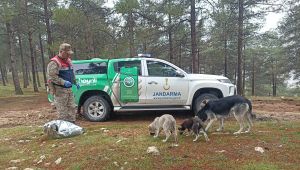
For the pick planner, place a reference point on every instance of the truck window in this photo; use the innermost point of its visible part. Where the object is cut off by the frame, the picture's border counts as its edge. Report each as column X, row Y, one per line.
column 90, row 68
column 136, row 63
column 159, row 69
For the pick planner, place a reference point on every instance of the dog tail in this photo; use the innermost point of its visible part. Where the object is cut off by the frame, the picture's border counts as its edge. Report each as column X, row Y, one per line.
column 253, row 115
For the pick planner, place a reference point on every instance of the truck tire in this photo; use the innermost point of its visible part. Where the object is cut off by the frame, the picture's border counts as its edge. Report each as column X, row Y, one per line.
column 96, row 109
column 200, row 99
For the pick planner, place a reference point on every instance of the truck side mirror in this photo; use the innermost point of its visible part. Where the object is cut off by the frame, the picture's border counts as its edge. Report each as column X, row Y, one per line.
column 179, row 74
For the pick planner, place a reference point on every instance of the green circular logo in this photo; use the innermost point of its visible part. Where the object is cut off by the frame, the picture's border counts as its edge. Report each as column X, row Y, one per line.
column 128, row 82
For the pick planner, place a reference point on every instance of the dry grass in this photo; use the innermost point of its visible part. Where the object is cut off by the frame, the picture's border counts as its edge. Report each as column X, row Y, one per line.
column 9, row 89
column 99, row 150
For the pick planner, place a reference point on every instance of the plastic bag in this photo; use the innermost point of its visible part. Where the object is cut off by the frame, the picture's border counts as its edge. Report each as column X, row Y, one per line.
column 62, row 129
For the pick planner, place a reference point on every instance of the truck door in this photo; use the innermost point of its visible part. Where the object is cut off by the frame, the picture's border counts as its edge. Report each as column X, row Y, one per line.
column 90, row 75
column 129, row 84
column 131, row 89
column 164, row 85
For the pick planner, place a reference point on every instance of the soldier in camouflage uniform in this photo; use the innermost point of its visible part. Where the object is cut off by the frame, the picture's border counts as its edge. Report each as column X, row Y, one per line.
column 60, row 80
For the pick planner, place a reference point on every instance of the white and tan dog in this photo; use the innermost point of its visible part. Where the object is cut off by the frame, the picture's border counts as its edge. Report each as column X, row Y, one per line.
column 165, row 122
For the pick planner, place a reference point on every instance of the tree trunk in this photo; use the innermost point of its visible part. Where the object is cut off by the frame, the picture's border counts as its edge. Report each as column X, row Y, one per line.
column 225, row 57
column 13, row 62
column 48, row 28
column 170, row 39
column 225, row 43
column 94, row 47
column 145, row 46
column 244, row 77
column 253, row 78
column 240, row 48
column 43, row 59
column 275, row 80
column 5, row 74
column 273, row 83
column 89, row 39
column 2, row 75
column 275, row 89
column 35, row 88
column 235, row 75
column 244, row 70
column 36, row 68
column 198, row 59
column 25, row 79
column 131, row 34
column 193, row 38
column 180, row 58
column 28, row 72
column 144, row 43
column 274, row 74
column 203, row 63
column 75, row 54
column 24, row 57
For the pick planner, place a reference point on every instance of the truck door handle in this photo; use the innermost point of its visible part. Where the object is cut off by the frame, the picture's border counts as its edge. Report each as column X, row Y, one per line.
column 152, row 82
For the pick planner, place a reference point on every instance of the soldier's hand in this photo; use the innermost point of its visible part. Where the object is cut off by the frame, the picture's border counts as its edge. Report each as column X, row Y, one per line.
column 67, row 84
column 77, row 86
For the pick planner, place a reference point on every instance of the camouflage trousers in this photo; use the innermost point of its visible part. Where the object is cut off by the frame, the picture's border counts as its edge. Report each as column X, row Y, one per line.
column 64, row 103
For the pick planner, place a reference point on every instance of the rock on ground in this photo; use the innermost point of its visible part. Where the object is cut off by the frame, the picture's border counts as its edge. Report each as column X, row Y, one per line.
column 152, row 150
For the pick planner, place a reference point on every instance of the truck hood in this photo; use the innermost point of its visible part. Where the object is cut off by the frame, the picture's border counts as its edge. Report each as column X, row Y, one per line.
column 205, row 77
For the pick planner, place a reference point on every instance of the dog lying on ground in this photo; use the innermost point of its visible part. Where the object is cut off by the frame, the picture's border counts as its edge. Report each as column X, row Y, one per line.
column 194, row 125
column 165, row 122
column 239, row 106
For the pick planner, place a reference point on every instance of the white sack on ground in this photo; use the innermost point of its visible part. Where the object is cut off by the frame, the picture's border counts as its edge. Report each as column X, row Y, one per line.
column 62, row 129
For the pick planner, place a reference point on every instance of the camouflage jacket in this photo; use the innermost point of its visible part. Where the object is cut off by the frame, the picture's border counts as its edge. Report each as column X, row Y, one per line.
column 53, row 74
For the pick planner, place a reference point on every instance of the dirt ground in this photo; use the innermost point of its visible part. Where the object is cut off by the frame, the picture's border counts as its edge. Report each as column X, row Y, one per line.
column 36, row 110
column 279, row 139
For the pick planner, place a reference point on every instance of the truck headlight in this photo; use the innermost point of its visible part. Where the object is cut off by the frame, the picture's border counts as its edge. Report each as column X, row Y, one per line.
column 231, row 89
column 224, row 80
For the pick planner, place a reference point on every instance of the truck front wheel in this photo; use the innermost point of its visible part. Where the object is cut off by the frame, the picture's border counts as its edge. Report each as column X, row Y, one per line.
column 200, row 100
column 96, row 109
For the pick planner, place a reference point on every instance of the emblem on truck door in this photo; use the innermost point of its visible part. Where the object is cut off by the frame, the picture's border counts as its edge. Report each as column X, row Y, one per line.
column 128, row 82
column 166, row 85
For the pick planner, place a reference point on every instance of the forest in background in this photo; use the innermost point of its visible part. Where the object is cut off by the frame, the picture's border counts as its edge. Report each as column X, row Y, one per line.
column 220, row 37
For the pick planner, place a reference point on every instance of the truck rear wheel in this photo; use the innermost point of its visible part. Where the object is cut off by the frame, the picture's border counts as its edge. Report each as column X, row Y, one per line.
column 200, row 99
column 96, row 109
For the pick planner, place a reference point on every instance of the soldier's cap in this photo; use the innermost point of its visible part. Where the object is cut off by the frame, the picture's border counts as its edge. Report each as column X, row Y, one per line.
column 66, row 47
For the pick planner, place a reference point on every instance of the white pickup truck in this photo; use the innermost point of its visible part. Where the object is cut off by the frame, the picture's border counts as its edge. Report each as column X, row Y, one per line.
column 137, row 84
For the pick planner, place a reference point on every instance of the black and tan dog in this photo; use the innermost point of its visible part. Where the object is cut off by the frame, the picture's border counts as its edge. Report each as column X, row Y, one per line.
column 239, row 106
column 193, row 125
